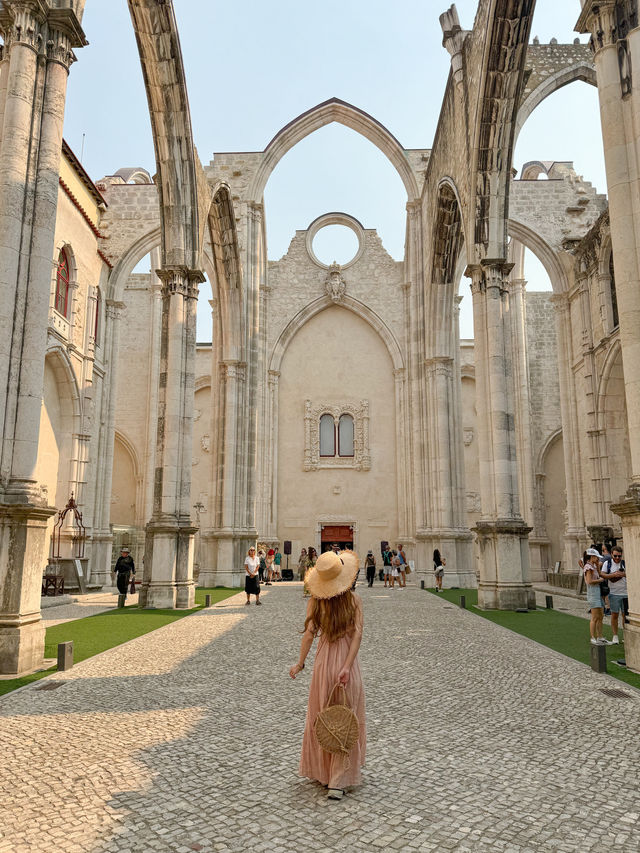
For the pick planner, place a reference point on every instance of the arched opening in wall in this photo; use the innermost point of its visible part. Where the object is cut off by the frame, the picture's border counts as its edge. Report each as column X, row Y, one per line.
column 127, row 527
column 335, row 244
column 465, row 314
column 55, row 442
column 204, row 322
column 554, row 500
column 617, row 460
column 549, row 134
column 349, row 174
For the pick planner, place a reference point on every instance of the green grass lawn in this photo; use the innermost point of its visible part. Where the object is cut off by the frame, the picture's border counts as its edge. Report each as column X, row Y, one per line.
column 95, row 634
column 561, row 632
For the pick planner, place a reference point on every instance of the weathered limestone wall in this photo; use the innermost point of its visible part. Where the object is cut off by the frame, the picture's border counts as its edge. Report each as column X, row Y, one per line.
column 337, row 358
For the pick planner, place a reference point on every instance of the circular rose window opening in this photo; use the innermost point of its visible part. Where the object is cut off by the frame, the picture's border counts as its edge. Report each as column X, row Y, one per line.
column 337, row 243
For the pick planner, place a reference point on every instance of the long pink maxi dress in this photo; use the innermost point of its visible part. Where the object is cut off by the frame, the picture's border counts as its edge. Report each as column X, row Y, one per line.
column 315, row 763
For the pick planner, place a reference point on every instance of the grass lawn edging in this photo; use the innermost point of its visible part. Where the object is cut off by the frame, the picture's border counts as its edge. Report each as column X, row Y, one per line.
column 561, row 632
column 95, row 634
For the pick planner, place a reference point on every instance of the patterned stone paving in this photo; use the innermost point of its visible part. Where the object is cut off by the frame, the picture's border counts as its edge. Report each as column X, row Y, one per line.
column 188, row 738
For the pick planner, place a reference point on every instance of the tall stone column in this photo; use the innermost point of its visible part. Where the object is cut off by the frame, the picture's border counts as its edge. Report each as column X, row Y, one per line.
column 616, row 44
column 449, row 532
column 575, row 534
column 102, row 536
column 38, row 50
column 168, row 560
column 502, row 534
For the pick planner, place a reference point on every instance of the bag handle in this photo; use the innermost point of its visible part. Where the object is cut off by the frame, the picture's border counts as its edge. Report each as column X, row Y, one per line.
column 333, row 690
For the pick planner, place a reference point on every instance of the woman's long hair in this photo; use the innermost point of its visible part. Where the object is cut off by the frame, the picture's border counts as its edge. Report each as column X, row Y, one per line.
column 332, row 617
column 437, row 559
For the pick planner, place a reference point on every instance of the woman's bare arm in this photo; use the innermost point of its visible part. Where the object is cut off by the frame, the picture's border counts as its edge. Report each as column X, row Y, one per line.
column 305, row 647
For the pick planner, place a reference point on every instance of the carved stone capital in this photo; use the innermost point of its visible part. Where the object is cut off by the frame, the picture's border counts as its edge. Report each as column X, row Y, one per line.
column 180, row 280
column 453, row 40
column 236, row 370
column 50, row 32
column 114, row 309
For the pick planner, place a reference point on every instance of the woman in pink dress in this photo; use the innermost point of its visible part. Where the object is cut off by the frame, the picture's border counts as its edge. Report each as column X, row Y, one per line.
column 334, row 614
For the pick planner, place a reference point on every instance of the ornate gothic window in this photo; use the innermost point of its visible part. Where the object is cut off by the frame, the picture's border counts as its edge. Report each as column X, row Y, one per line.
column 61, row 303
column 327, row 436
column 337, row 436
column 345, row 436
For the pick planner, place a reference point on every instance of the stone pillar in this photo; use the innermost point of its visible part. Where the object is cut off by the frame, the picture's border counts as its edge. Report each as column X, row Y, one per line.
column 168, row 561
column 154, row 369
column 502, row 534
column 102, row 536
column 416, row 388
column 38, row 50
column 575, row 533
column 617, row 59
column 448, row 529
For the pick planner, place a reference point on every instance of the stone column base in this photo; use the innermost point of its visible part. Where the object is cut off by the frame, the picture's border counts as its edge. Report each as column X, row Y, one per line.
column 167, row 582
column 23, row 531
column 628, row 508
column 504, row 565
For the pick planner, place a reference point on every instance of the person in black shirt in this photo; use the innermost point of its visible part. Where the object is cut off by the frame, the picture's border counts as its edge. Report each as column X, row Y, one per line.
column 125, row 567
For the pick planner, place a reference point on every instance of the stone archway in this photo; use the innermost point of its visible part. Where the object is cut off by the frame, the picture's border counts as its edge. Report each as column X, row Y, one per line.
column 333, row 110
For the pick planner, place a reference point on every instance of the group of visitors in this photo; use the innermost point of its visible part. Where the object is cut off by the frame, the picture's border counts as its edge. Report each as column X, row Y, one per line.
column 307, row 560
column 395, row 567
column 269, row 566
column 605, row 576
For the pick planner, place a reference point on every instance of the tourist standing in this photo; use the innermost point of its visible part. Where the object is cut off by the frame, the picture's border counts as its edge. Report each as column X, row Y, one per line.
column 251, row 570
column 395, row 570
column 269, row 566
column 402, row 568
column 262, row 565
column 438, row 569
column 593, row 580
column 302, row 564
column 370, row 566
column 387, row 556
column 124, row 569
column 614, row 570
column 334, row 614
column 277, row 560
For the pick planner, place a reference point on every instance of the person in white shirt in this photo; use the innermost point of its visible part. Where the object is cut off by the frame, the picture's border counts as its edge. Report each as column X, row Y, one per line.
column 613, row 569
column 251, row 582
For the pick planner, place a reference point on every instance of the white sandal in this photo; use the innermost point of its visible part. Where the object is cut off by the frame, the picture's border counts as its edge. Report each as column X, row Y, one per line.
column 335, row 794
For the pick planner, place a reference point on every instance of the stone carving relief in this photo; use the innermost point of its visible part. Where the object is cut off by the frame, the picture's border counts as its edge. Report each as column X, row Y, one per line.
column 361, row 459
column 468, row 436
column 473, row 502
column 335, row 285
column 205, row 443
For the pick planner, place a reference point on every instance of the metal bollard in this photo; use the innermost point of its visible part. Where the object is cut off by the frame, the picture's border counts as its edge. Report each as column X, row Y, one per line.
column 463, row 602
column 121, row 600
column 65, row 655
column 207, row 600
column 599, row 658
column 421, row 584
column 549, row 601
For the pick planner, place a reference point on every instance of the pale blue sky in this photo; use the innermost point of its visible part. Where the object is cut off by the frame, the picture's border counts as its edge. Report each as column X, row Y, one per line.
column 253, row 66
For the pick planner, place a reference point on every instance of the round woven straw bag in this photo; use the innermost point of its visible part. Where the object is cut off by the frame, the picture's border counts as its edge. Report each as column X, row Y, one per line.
column 336, row 726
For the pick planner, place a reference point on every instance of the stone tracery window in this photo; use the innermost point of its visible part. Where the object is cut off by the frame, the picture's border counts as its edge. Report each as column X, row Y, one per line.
column 337, row 436
column 61, row 302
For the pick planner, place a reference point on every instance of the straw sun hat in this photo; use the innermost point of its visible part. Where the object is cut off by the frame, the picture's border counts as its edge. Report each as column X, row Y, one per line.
column 332, row 574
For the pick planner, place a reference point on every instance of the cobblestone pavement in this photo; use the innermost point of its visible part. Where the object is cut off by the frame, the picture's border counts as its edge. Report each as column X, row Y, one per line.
column 188, row 739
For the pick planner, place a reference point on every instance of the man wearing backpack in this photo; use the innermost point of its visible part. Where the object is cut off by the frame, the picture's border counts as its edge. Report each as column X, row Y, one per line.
column 614, row 570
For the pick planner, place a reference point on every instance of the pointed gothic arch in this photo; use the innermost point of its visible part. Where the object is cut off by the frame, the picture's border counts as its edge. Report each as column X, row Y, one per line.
column 333, row 110
column 319, row 305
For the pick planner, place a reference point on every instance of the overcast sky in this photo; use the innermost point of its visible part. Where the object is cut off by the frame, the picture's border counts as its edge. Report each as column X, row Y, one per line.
column 252, row 67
